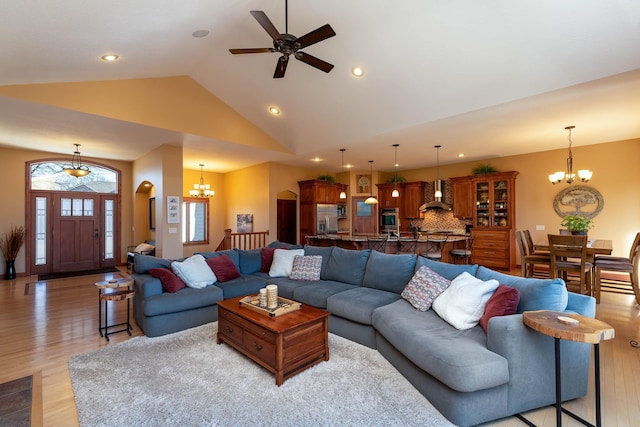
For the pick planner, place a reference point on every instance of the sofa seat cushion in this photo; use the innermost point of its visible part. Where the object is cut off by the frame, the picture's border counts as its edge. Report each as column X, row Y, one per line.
column 358, row 304
column 246, row 284
column 535, row 294
column 389, row 272
column 287, row 286
column 459, row 359
column 183, row 300
column 317, row 293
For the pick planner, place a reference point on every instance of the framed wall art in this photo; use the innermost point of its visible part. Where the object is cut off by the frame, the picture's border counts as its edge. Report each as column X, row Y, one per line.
column 173, row 209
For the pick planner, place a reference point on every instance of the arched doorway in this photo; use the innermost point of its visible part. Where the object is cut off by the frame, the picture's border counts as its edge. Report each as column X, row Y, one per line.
column 73, row 222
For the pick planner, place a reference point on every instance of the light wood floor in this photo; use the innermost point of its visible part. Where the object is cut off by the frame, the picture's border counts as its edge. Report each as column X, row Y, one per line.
column 42, row 324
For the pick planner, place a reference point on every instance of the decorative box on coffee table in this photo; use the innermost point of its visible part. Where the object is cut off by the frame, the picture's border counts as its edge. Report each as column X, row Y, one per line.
column 285, row 345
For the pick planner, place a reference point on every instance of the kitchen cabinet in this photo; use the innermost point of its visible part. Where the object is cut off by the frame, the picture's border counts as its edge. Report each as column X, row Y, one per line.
column 410, row 199
column 494, row 220
column 462, row 197
column 489, row 201
column 312, row 193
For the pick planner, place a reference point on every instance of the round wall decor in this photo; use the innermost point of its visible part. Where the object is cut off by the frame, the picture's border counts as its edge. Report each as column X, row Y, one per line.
column 578, row 200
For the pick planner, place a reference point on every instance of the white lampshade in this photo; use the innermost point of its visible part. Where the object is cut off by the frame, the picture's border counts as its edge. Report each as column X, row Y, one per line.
column 395, row 193
column 371, row 201
column 585, row 175
column 343, row 195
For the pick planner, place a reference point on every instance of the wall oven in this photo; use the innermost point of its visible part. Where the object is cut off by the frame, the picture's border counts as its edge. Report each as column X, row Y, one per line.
column 389, row 220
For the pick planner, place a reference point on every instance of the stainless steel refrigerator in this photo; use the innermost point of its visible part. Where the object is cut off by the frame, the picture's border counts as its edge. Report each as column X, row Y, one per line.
column 327, row 219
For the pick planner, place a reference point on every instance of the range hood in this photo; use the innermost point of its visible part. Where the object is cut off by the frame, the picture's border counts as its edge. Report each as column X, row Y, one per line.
column 436, row 203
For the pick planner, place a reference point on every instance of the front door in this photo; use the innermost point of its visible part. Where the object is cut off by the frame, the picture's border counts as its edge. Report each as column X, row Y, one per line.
column 76, row 236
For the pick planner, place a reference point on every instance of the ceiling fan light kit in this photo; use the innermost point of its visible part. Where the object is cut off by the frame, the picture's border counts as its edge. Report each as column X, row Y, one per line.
column 288, row 44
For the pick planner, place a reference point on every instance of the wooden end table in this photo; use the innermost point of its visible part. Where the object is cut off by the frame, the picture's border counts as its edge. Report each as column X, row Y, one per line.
column 572, row 327
column 284, row 345
column 114, row 290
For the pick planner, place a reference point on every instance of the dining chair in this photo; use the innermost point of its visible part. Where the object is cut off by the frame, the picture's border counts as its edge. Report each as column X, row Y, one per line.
column 531, row 247
column 569, row 255
column 612, row 264
column 407, row 245
column 377, row 243
column 528, row 260
column 462, row 255
column 435, row 245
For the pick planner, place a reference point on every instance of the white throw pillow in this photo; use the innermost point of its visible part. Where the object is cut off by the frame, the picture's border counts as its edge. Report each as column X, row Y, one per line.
column 143, row 247
column 283, row 262
column 194, row 272
column 462, row 304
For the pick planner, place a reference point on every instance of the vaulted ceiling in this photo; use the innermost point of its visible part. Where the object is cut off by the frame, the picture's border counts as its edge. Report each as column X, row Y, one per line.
column 485, row 79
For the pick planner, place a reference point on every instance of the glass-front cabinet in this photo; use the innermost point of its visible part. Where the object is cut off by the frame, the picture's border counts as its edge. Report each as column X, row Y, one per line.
column 493, row 203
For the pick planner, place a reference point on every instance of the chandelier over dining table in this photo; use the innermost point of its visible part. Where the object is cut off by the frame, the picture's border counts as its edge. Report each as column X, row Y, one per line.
column 584, row 175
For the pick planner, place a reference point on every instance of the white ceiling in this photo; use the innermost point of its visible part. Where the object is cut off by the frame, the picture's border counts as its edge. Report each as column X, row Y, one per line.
column 491, row 78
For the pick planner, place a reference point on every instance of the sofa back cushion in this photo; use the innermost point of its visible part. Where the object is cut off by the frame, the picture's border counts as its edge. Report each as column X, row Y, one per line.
column 535, row 294
column 325, row 253
column 448, row 271
column 143, row 263
column 276, row 244
column 346, row 266
column 250, row 261
column 389, row 272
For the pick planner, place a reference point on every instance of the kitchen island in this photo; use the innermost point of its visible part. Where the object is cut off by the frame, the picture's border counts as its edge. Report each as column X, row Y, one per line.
column 392, row 244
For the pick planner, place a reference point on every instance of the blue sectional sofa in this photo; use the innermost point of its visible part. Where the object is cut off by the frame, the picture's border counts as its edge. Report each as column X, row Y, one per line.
column 469, row 376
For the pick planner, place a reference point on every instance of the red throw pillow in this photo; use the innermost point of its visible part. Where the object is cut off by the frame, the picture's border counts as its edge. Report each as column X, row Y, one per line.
column 223, row 267
column 503, row 302
column 267, row 259
column 170, row 282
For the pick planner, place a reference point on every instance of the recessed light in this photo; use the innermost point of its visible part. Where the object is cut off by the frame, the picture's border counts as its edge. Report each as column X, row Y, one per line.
column 274, row 110
column 461, row 155
column 349, row 166
column 109, row 57
column 357, row 71
column 200, row 33
column 316, row 159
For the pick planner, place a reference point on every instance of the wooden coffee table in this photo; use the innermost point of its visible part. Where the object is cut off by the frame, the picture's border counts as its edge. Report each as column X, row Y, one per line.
column 284, row 345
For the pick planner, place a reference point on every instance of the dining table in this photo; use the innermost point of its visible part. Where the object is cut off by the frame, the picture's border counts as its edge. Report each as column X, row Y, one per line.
column 594, row 247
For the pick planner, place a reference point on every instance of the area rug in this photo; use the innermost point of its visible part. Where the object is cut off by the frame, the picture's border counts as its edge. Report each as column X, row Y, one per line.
column 52, row 276
column 15, row 402
column 186, row 379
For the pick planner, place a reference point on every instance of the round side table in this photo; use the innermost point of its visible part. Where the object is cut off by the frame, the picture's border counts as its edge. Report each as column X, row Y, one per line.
column 114, row 290
column 572, row 327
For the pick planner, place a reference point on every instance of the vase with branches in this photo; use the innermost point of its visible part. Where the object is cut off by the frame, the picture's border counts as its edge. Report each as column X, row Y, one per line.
column 10, row 245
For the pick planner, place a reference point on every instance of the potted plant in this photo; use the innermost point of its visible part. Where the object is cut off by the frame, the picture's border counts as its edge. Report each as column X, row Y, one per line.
column 483, row 169
column 10, row 246
column 327, row 178
column 577, row 224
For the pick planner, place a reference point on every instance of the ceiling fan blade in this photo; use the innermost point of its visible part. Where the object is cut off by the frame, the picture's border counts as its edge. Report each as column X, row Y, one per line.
column 266, row 23
column 314, row 62
column 281, row 67
column 254, row 50
column 316, row 36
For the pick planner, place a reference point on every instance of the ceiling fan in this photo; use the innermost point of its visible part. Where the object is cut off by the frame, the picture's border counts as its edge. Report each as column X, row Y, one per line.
column 287, row 44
